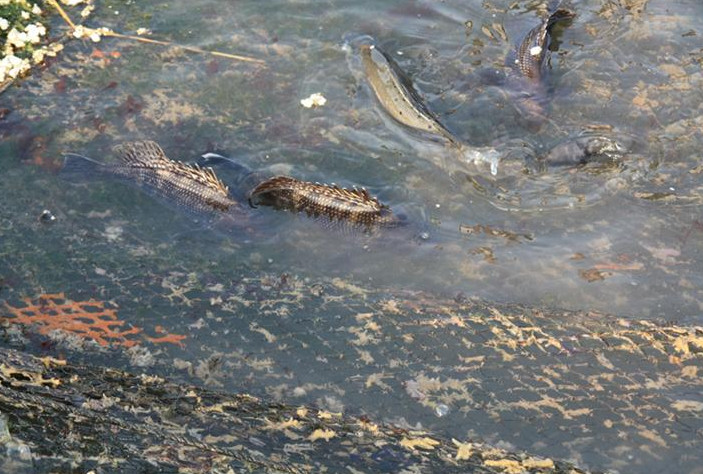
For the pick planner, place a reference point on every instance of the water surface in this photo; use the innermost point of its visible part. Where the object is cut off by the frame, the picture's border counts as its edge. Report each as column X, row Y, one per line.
column 622, row 239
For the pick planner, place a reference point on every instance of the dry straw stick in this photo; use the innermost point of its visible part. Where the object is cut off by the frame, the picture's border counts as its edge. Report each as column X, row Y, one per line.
column 192, row 49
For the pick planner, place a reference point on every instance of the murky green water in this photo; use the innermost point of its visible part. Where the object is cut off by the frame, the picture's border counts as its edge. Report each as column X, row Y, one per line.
column 622, row 239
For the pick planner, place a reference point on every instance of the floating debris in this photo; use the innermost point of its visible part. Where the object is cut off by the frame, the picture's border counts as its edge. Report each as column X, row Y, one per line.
column 23, row 34
column 315, row 100
column 493, row 232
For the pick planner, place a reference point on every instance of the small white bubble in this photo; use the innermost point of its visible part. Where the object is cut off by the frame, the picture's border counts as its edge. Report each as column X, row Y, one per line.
column 441, row 410
column 47, row 216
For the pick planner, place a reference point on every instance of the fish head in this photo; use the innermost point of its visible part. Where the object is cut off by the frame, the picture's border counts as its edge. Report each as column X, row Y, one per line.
column 604, row 146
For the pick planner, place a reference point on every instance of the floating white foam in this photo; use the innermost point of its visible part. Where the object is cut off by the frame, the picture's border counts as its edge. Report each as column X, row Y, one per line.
column 479, row 156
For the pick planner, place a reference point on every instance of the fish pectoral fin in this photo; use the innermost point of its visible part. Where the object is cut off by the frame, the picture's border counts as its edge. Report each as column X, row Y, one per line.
column 213, row 159
column 78, row 167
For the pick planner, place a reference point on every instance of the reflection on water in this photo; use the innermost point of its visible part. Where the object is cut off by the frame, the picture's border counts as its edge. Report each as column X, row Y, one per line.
column 619, row 234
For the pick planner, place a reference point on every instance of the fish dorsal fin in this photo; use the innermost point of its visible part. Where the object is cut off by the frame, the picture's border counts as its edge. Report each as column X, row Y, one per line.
column 205, row 176
column 148, row 154
column 142, row 153
column 285, row 190
column 354, row 195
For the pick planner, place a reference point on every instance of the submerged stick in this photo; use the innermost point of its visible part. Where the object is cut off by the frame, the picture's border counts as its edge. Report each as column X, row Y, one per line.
column 192, row 49
column 63, row 14
column 105, row 32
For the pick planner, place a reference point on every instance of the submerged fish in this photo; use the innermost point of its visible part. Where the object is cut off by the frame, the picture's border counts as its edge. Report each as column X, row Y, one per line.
column 397, row 95
column 355, row 207
column 584, row 150
column 144, row 164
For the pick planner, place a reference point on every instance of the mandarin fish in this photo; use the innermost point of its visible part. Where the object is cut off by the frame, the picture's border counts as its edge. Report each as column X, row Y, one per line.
column 354, row 207
column 144, row 164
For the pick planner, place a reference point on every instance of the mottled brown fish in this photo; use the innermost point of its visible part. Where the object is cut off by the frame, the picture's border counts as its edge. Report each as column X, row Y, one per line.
column 145, row 164
column 397, row 95
column 355, row 207
column 532, row 50
column 527, row 62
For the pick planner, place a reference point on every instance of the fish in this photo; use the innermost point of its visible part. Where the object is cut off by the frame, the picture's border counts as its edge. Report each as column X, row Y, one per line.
column 397, row 95
column 238, row 177
column 399, row 98
column 527, row 65
column 584, row 150
column 354, row 207
column 531, row 52
column 144, row 164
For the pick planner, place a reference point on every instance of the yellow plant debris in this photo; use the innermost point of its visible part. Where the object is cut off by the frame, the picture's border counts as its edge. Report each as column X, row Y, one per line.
column 419, row 443
column 464, row 450
column 320, row 433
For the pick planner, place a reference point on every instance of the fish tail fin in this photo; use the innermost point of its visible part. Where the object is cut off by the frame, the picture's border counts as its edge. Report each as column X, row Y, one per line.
column 559, row 14
column 78, row 167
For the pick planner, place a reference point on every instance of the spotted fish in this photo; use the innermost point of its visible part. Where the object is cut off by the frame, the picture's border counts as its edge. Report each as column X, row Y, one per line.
column 397, row 95
column 527, row 64
column 532, row 50
column 144, row 164
column 354, row 207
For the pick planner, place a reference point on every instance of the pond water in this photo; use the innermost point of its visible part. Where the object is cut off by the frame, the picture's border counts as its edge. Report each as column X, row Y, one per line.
column 622, row 239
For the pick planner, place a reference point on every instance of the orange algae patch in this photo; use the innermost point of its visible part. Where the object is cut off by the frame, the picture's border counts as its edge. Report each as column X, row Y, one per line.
column 172, row 338
column 86, row 319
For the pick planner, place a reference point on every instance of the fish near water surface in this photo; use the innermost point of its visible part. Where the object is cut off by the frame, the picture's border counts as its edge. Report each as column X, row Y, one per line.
column 144, row 164
column 596, row 149
column 397, row 95
column 349, row 207
column 527, row 63
column 532, row 50
column 399, row 99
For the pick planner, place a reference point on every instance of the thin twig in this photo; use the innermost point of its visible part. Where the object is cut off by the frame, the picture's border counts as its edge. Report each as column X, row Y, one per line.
column 141, row 39
column 63, row 14
column 193, row 49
